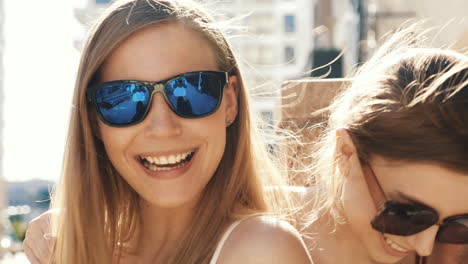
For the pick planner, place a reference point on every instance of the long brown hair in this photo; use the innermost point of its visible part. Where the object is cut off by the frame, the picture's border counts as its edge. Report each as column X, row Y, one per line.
column 408, row 103
column 99, row 210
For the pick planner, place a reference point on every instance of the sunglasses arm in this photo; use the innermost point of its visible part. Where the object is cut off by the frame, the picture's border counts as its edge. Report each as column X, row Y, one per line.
column 376, row 191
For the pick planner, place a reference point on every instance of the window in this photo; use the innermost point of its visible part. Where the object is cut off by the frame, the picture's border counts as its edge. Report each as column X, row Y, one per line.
column 263, row 23
column 103, row 1
column 266, row 55
column 260, row 54
column 289, row 55
column 289, row 23
column 267, row 117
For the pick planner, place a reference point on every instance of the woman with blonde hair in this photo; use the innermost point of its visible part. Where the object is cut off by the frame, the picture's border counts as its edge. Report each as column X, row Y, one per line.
column 162, row 164
column 391, row 168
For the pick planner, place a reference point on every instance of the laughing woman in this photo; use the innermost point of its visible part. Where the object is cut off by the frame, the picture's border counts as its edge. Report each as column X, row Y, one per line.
column 392, row 165
column 161, row 162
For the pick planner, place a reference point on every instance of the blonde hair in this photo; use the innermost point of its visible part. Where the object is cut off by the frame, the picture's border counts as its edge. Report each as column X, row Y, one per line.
column 406, row 98
column 99, row 210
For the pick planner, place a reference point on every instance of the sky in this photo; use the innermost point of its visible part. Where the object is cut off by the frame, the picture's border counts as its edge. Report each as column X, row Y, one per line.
column 40, row 64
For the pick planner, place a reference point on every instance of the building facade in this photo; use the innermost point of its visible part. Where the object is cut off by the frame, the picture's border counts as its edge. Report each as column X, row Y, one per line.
column 86, row 14
column 3, row 192
column 3, row 201
column 449, row 19
column 273, row 44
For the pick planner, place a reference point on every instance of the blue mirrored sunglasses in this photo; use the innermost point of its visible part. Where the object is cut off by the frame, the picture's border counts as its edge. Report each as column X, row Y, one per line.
column 127, row 102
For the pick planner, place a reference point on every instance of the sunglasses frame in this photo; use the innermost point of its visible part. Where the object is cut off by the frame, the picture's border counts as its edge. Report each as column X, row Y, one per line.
column 153, row 88
column 380, row 200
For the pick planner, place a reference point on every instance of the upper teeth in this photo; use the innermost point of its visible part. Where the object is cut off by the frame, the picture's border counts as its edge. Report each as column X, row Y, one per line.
column 170, row 159
column 394, row 245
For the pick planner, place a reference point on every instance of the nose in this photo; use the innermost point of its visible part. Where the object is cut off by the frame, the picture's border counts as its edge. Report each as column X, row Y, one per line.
column 423, row 242
column 161, row 121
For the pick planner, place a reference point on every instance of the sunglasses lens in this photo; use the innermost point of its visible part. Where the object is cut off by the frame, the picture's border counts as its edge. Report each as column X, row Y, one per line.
column 404, row 219
column 454, row 231
column 195, row 95
column 122, row 103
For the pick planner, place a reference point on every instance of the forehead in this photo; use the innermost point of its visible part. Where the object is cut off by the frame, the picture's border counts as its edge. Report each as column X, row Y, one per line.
column 441, row 188
column 157, row 52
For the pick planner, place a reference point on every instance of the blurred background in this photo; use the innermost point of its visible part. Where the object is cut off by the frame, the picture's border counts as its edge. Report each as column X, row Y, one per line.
column 276, row 40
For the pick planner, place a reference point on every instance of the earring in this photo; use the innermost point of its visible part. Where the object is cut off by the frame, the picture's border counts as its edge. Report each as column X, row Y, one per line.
column 228, row 122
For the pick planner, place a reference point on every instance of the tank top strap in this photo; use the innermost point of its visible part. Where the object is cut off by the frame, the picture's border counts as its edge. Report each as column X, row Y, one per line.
column 223, row 239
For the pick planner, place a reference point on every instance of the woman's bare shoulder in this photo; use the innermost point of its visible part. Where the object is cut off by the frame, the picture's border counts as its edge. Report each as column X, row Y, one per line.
column 264, row 239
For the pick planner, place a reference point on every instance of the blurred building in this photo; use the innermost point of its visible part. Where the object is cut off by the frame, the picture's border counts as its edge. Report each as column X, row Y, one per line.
column 450, row 16
column 273, row 43
column 3, row 197
column 278, row 35
column 354, row 27
column 338, row 32
column 86, row 14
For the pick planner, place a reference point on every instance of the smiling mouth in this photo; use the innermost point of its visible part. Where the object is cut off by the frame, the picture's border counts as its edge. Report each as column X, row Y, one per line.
column 168, row 162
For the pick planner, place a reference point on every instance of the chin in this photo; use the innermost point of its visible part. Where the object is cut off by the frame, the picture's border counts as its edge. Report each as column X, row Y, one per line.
column 174, row 200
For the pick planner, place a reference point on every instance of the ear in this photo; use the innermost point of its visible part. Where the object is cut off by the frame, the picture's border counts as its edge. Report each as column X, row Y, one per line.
column 345, row 154
column 230, row 96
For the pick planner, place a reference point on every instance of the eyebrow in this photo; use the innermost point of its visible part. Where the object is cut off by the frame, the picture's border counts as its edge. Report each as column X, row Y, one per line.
column 409, row 198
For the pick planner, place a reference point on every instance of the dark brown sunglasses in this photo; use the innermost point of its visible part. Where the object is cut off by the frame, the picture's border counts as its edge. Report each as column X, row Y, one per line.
column 404, row 219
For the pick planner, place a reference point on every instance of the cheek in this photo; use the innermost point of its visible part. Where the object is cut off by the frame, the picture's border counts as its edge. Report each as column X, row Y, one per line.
column 115, row 145
column 213, row 156
column 211, row 132
column 358, row 207
column 214, row 133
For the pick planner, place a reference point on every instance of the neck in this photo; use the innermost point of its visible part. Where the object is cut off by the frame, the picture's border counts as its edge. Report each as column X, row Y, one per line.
column 160, row 231
column 348, row 246
column 165, row 223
